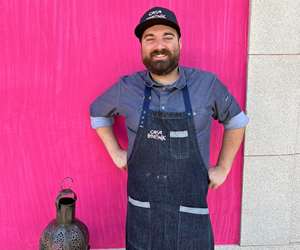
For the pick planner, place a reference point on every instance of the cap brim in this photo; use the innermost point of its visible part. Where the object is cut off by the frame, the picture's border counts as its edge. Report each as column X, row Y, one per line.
column 139, row 30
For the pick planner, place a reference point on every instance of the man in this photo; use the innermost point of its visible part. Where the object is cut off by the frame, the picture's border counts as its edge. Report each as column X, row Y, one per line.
column 168, row 110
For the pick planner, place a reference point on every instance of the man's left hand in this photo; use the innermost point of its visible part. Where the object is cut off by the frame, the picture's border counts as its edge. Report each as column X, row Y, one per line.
column 217, row 175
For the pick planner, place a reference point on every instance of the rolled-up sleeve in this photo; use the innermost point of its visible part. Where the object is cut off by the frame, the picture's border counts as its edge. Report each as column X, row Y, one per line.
column 226, row 109
column 238, row 121
column 105, row 107
column 99, row 122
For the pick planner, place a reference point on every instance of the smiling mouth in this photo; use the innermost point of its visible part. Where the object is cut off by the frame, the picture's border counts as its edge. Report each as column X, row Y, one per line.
column 159, row 56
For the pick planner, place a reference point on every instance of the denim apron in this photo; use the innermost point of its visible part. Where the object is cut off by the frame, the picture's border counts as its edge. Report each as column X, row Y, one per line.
column 167, row 183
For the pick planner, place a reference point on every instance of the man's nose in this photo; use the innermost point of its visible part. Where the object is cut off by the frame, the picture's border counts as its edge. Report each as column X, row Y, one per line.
column 160, row 44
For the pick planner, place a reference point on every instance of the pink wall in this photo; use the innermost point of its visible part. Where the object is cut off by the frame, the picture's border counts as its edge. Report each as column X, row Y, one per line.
column 56, row 57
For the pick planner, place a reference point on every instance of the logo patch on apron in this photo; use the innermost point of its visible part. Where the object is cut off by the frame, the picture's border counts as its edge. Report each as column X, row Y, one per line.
column 156, row 135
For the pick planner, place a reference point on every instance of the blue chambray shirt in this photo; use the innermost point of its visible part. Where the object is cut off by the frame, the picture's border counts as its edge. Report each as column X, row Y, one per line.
column 210, row 99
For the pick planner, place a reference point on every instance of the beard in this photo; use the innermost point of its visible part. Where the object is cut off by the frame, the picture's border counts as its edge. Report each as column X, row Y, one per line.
column 162, row 67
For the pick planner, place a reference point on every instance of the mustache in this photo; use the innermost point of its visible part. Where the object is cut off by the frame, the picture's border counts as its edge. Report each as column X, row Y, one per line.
column 160, row 52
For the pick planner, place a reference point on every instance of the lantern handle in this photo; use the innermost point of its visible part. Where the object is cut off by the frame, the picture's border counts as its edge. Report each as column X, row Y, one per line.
column 64, row 183
column 66, row 191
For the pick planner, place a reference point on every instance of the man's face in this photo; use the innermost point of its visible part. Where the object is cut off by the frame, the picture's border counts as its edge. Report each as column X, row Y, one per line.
column 160, row 49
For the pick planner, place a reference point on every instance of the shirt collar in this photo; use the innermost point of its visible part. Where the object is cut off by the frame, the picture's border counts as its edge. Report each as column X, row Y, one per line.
column 179, row 83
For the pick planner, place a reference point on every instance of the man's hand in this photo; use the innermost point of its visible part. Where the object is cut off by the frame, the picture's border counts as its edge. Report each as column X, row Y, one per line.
column 232, row 140
column 119, row 157
column 217, row 176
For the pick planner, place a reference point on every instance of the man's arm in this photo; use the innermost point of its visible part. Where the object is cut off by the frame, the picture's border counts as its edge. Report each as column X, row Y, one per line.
column 232, row 140
column 102, row 112
column 118, row 155
column 227, row 111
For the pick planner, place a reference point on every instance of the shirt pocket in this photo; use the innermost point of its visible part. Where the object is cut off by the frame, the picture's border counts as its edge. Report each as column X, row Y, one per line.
column 202, row 119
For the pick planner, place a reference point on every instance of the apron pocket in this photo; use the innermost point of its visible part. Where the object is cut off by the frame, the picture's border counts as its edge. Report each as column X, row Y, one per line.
column 179, row 144
column 194, row 229
column 138, row 224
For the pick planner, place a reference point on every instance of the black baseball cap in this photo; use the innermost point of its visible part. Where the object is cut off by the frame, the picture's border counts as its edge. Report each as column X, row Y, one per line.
column 154, row 16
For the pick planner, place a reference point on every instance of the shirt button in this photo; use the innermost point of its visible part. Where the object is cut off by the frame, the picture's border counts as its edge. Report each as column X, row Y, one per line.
column 163, row 107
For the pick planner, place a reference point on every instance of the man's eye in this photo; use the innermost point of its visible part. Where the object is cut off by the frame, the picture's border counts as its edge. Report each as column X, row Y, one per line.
column 169, row 37
column 149, row 39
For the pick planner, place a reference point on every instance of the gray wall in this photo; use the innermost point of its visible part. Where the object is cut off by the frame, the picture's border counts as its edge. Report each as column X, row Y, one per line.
column 271, row 182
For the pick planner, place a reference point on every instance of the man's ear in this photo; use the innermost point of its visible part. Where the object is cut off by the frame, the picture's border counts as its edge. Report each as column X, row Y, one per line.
column 180, row 44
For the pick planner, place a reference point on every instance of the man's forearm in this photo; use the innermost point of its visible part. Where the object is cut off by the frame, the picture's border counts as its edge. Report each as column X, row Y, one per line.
column 118, row 155
column 232, row 140
column 109, row 139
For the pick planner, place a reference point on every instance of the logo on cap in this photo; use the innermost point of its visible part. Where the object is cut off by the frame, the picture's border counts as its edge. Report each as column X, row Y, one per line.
column 156, row 14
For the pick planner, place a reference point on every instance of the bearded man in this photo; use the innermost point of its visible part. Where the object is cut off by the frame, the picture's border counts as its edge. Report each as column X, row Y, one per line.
column 168, row 110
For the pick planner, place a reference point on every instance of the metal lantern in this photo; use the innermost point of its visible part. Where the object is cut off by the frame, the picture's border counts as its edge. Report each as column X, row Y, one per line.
column 65, row 232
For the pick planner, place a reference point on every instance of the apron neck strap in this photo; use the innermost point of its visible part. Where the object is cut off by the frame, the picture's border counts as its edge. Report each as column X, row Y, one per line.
column 187, row 102
column 147, row 98
column 146, row 104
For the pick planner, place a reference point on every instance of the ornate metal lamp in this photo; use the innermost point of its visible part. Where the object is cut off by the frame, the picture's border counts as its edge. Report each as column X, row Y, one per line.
column 65, row 232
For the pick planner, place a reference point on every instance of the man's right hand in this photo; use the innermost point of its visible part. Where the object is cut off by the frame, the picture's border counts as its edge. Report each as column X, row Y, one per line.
column 119, row 157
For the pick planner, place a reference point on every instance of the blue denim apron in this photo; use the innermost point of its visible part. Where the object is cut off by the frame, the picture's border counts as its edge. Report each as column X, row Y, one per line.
column 167, row 183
